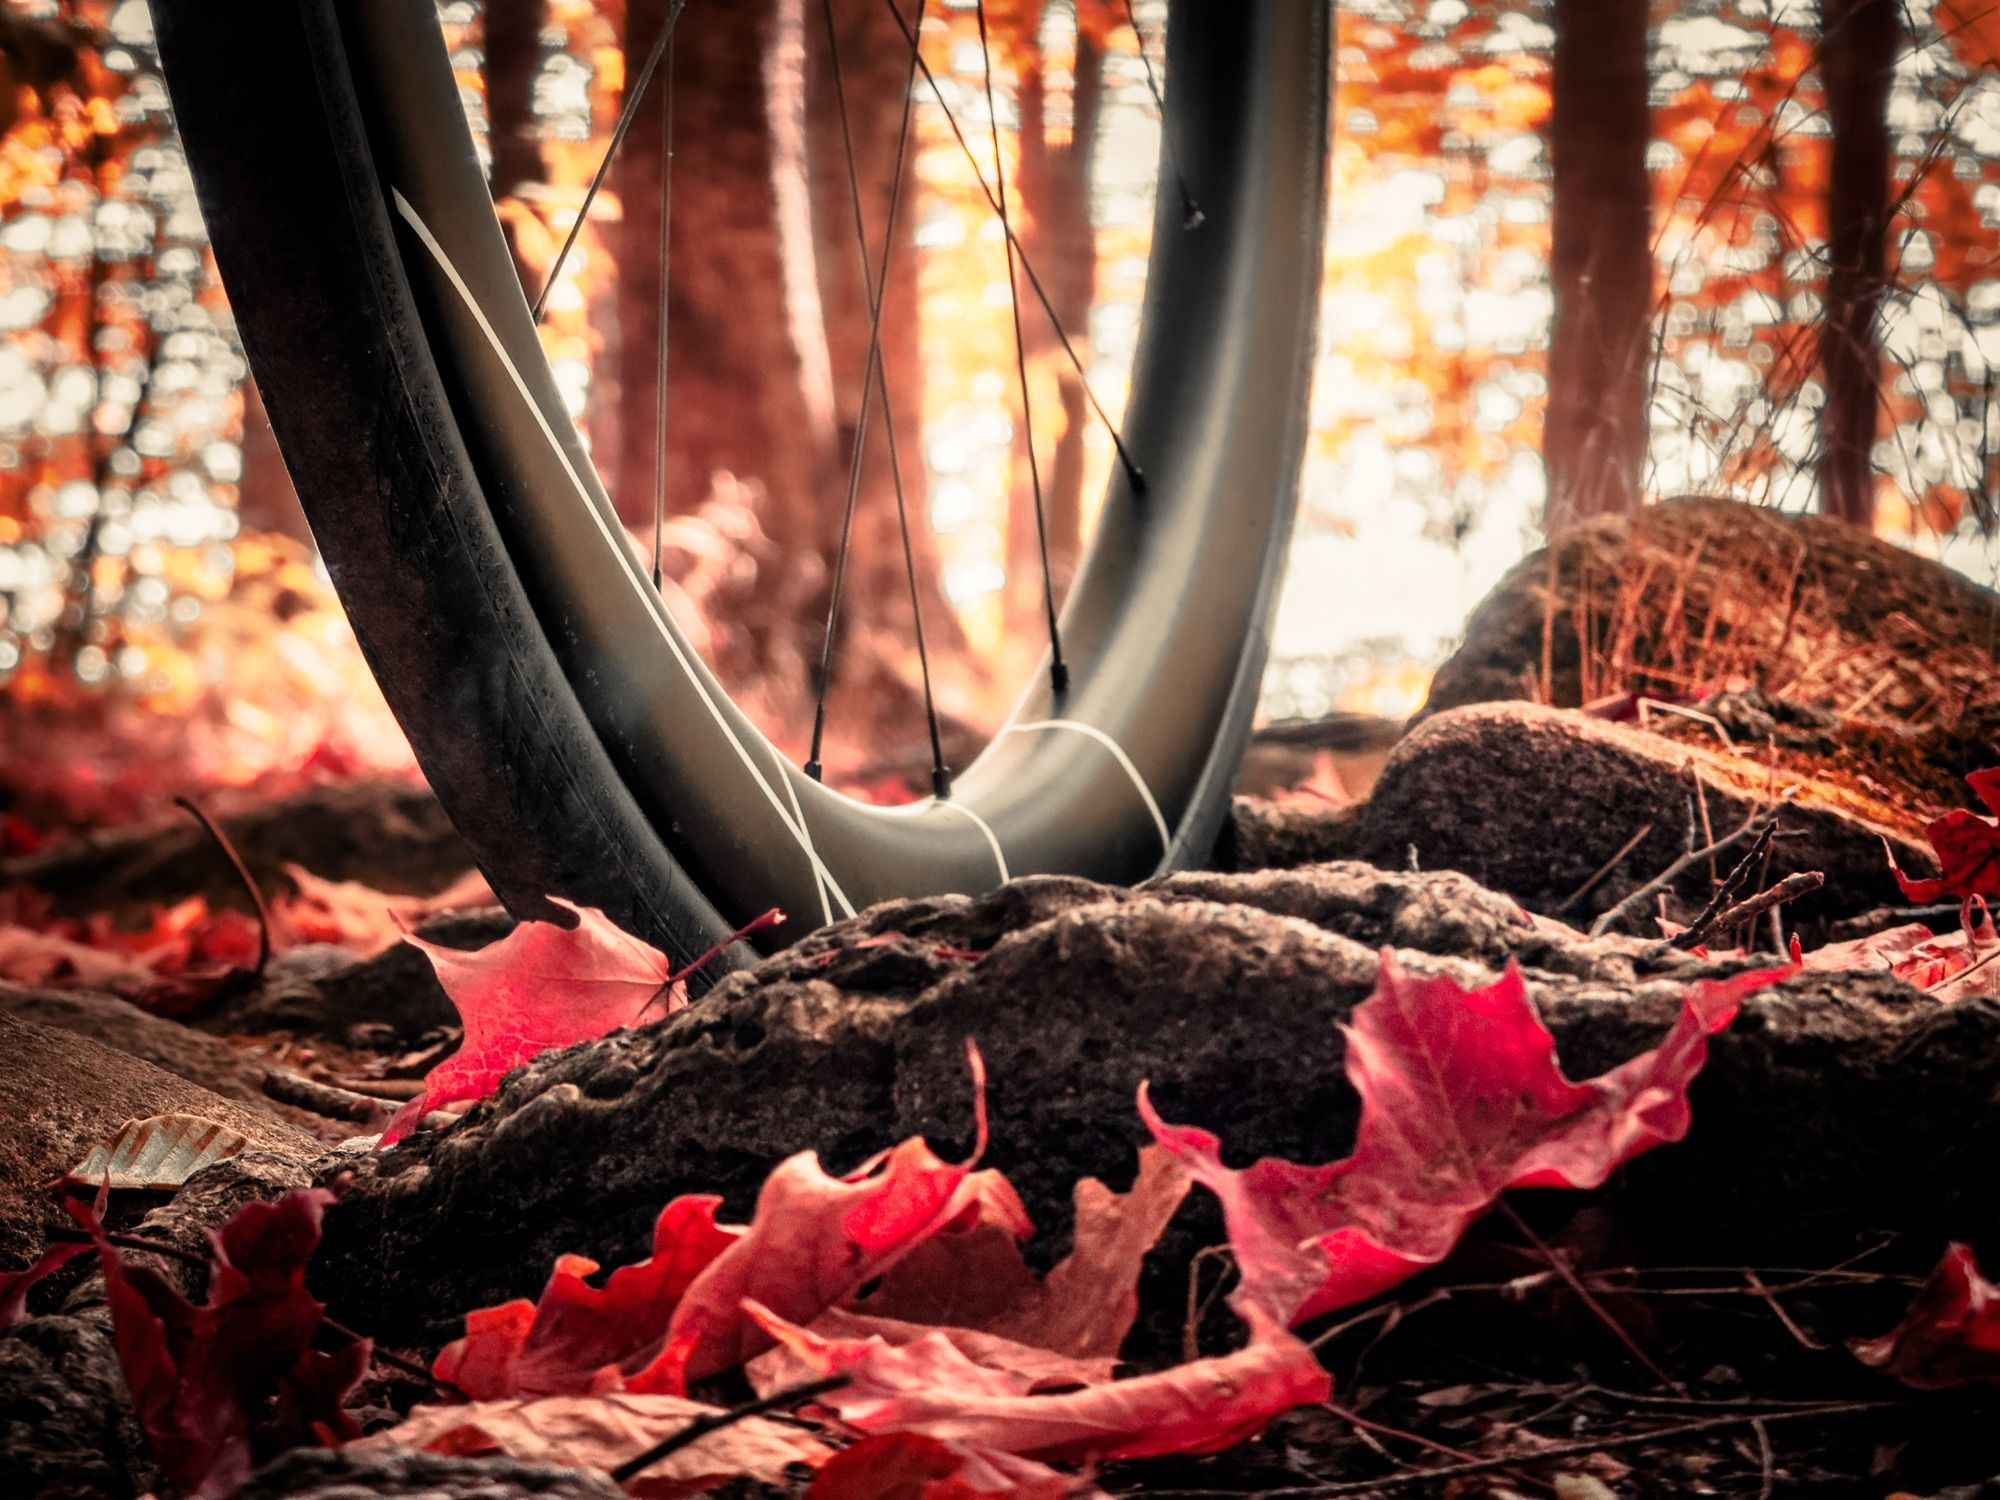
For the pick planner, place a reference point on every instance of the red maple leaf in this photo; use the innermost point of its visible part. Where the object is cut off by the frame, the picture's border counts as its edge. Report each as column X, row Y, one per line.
column 913, row 1466
column 540, row 987
column 565, row 1343
column 15, row 1285
column 931, row 1386
column 1951, row 1334
column 1461, row 1099
column 201, row 1376
column 1968, row 849
column 813, row 1241
column 360, row 918
column 972, row 1275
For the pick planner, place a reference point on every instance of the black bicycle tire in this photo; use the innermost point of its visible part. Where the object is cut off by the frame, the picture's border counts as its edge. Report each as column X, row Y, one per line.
column 298, row 117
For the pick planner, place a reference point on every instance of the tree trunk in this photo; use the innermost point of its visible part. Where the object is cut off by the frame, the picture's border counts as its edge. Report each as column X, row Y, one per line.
column 513, row 58
column 1600, row 262
column 1858, row 43
column 1055, row 185
column 746, row 390
column 266, row 501
column 874, row 658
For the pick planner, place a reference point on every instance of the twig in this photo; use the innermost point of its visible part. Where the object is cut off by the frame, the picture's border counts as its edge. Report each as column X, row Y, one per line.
column 1603, row 870
column 1198, row 1305
column 323, row 1098
column 1567, row 1272
column 1725, row 892
column 1579, row 1450
column 1804, row 883
column 1673, row 872
column 388, row 1090
column 1368, row 1430
column 202, row 1262
column 1765, row 1295
column 221, row 840
column 701, row 1427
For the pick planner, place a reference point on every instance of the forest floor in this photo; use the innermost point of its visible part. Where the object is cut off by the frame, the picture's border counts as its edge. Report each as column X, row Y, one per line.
column 1680, row 1276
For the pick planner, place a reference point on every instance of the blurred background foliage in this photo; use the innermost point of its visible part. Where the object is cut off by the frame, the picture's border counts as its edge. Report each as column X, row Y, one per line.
column 1740, row 247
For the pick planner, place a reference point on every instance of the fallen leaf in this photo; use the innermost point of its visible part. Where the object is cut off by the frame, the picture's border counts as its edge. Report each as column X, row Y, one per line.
column 38, row 959
column 1461, row 1099
column 360, row 918
column 187, row 935
column 914, row 1466
column 540, row 987
column 1931, row 962
column 930, row 1386
column 601, row 1432
column 1951, row 1334
column 200, row 1375
column 780, row 1368
column 1967, row 847
column 1879, row 951
column 565, row 1342
column 676, row 1318
column 973, row 1275
column 815, row 1240
column 15, row 1285
column 162, row 1151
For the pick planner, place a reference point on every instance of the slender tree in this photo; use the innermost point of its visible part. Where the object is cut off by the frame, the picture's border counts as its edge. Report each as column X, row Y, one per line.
column 266, row 500
column 767, row 338
column 1601, row 261
column 1857, row 52
column 1055, row 192
column 513, row 57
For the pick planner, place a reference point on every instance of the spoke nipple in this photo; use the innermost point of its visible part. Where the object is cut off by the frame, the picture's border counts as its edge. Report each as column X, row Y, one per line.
column 812, row 769
column 1136, row 476
column 1192, row 216
column 941, row 783
column 1059, row 677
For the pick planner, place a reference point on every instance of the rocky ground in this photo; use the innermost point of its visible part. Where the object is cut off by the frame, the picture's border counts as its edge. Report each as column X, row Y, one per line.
column 1623, row 721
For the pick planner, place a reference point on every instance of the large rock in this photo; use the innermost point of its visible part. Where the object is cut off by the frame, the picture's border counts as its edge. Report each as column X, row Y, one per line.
column 61, row 1093
column 1694, row 592
column 66, row 1424
column 1226, row 992
column 167, row 1045
column 1534, row 801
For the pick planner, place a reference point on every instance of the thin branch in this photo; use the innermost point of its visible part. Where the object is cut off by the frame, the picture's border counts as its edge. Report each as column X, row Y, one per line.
column 701, row 1427
column 1603, row 870
column 1579, row 1450
column 1804, row 883
column 1636, row 902
column 221, row 840
column 1725, row 893
column 1567, row 1272
column 326, row 1099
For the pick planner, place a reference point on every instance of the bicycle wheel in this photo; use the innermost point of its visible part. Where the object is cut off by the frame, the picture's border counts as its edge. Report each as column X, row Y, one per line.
column 566, row 724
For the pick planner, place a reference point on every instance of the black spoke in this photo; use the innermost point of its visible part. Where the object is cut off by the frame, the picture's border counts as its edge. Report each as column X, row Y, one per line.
column 666, row 257
column 1133, row 474
column 875, row 290
column 1191, row 215
column 626, row 115
column 1058, row 671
